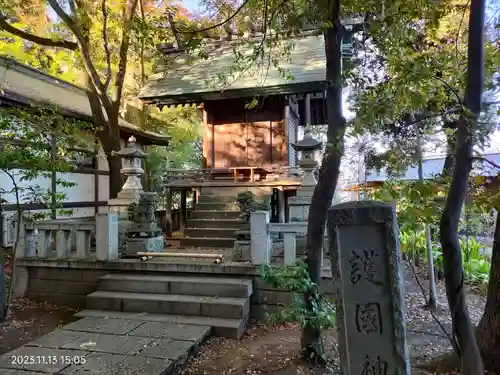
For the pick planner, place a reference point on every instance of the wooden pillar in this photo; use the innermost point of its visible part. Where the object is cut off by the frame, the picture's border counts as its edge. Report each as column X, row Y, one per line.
column 196, row 195
column 307, row 108
column 281, row 205
column 168, row 213
column 183, row 210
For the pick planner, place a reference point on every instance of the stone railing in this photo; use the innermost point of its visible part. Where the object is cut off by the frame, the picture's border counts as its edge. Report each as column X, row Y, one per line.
column 70, row 238
column 261, row 245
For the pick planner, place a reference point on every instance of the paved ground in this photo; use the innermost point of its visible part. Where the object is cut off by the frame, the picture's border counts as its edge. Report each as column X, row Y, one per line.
column 101, row 346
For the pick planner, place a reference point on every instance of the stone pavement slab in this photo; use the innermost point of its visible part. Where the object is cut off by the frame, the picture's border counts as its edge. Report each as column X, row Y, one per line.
column 172, row 331
column 56, row 339
column 114, row 344
column 108, row 347
column 168, row 349
column 104, row 325
column 44, row 360
column 113, row 364
column 97, row 363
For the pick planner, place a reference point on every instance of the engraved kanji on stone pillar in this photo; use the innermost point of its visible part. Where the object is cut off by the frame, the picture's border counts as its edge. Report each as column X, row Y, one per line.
column 364, row 249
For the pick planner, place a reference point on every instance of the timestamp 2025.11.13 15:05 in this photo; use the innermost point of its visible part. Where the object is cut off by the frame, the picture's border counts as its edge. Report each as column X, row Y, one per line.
column 47, row 360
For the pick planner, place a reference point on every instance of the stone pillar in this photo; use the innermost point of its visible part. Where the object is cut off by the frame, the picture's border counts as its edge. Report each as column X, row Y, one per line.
column 368, row 288
column 260, row 239
column 106, row 236
column 132, row 188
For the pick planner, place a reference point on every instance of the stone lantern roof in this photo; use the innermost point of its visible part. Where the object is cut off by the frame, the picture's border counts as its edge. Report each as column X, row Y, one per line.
column 308, row 143
column 131, row 150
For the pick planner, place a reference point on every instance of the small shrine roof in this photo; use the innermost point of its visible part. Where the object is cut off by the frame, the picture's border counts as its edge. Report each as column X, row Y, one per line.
column 190, row 79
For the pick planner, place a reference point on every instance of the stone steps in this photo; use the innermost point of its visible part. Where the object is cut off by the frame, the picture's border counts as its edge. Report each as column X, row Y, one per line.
column 225, row 215
column 219, row 302
column 233, row 191
column 221, row 327
column 187, row 285
column 226, row 243
column 174, row 304
column 210, row 232
column 217, row 207
column 209, row 198
column 217, row 223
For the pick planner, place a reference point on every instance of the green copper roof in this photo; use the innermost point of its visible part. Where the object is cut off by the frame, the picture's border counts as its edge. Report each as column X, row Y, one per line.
column 189, row 79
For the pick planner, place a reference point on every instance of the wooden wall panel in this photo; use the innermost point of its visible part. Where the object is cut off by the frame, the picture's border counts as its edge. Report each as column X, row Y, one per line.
column 246, row 137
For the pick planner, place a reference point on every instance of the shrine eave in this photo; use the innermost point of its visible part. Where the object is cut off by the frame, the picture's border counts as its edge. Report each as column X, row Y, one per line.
column 200, row 97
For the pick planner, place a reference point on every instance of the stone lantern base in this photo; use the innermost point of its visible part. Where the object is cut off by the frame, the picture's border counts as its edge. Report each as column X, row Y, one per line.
column 145, row 245
column 120, row 206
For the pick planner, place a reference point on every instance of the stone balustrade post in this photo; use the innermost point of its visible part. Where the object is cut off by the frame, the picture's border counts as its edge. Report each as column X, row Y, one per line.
column 260, row 238
column 44, row 243
column 107, row 236
column 63, row 243
column 83, row 243
column 290, row 250
column 25, row 239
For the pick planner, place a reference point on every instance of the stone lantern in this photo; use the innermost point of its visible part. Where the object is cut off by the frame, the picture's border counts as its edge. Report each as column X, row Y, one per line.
column 132, row 157
column 299, row 205
column 307, row 149
column 131, row 190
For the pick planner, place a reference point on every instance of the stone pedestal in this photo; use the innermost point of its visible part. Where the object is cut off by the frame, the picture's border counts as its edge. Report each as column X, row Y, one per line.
column 120, row 208
column 149, row 245
column 143, row 234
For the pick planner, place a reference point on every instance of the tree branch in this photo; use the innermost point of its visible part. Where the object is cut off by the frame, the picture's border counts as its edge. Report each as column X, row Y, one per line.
column 174, row 29
column 4, row 25
column 106, row 44
column 123, row 52
column 493, row 164
column 84, row 51
column 428, row 116
column 219, row 24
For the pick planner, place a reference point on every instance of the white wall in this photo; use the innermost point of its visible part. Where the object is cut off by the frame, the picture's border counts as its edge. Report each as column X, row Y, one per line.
column 6, row 184
column 82, row 191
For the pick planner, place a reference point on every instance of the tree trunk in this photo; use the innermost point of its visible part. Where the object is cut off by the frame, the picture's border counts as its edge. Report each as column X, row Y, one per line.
column 108, row 133
column 311, row 342
column 488, row 330
column 452, row 254
column 470, row 358
column 449, row 161
column 115, row 177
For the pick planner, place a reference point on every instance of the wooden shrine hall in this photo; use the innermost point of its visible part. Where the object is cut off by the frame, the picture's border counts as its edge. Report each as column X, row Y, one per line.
column 245, row 142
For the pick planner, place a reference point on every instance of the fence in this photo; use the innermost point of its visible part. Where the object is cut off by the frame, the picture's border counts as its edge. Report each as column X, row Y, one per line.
column 69, row 238
column 261, row 243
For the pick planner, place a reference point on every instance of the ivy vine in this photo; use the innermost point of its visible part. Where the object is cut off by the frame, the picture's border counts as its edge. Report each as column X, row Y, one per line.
column 317, row 311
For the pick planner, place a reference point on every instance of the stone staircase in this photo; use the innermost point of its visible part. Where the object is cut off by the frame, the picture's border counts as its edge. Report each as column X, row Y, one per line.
column 214, row 221
column 220, row 303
